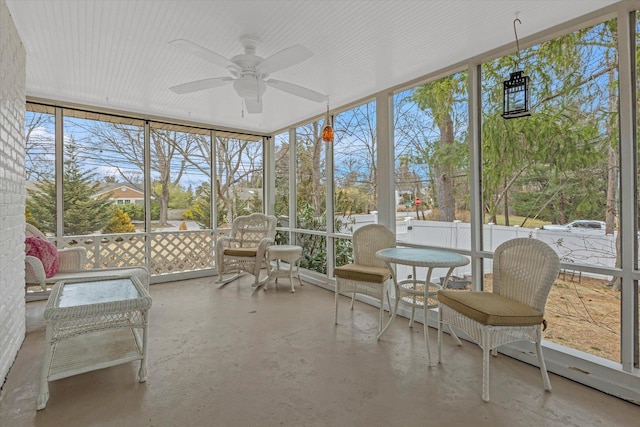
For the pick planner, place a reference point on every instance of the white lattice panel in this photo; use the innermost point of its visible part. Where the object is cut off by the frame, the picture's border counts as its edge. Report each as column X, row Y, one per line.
column 170, row 252
column 181, row 251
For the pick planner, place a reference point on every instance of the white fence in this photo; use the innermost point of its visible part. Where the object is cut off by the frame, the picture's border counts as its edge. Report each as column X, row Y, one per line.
column 572, row 247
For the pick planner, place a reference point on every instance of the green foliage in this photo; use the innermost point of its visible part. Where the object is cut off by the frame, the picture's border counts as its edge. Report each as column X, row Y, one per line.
column 350, row 201
column 120, row 223
column 550, row 164
column 82, row 213
column 135, row 212
column 200, row 210
column 30, row 219
column 314, row 252
column 155, row 210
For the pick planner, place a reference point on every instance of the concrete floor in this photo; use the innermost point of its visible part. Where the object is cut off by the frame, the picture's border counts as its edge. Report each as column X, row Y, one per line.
column 233, row 357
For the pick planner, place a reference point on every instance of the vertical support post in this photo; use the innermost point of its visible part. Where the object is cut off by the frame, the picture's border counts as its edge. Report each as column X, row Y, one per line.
column 147, row 194
column 475, row 167
column 269, row 178
column 385, row 160
column 59, row 175
column 330, row 212
column 628, row 190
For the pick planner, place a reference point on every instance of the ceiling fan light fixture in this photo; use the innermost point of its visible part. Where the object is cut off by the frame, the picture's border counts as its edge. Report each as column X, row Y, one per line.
column 249, row 87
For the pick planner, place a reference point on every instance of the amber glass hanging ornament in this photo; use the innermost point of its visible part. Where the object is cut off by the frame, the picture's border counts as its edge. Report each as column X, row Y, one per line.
column 327, row 132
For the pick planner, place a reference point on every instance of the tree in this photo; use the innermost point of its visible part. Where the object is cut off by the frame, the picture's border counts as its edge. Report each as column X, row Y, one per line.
column 40, row 146
column 170, row 154
column 200, row 210
column 355, row 159
column 310, row 172
column 439, row 98
column 83, row 214
column 119, row 223
column 238, row 166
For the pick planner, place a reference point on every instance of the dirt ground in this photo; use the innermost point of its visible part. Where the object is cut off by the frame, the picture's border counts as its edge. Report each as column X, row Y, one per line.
column 584, row 314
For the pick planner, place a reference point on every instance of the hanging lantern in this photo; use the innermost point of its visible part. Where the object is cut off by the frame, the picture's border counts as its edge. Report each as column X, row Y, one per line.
column 516, row 89
column 516, row 96
column 327, row 132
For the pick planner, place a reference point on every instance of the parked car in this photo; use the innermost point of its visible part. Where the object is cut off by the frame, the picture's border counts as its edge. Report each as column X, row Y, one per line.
column 578, row 226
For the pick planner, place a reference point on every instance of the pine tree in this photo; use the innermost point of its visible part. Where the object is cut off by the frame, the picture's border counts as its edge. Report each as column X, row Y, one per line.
column 82, row 213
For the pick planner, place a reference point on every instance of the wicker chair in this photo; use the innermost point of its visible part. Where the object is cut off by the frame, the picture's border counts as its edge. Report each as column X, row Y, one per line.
column 524, row 270
column 368, row 274
column 69, row 260
column 245, row 249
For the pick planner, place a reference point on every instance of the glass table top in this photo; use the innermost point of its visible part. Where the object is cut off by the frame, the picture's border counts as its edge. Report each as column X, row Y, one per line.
column 97, row 292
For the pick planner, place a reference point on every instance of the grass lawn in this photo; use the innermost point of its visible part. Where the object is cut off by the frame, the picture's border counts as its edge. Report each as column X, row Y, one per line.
column 517, row 220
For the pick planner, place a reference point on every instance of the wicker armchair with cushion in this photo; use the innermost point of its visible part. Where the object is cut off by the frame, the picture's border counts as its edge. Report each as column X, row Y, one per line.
column 72, row 266
column 67, row 260
column 524, row 270
column 244, row 250
column 367, row 274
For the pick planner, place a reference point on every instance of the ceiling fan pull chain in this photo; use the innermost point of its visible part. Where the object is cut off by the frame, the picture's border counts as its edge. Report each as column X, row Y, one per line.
column 257, row 89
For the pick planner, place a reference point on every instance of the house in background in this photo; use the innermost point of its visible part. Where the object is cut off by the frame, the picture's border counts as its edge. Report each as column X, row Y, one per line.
column 121, row 194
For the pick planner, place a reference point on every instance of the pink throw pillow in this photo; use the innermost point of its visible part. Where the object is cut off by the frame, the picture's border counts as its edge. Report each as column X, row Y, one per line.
column 45, row 251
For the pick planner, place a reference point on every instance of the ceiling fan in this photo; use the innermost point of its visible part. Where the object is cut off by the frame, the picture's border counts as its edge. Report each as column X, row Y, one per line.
column 249, row 72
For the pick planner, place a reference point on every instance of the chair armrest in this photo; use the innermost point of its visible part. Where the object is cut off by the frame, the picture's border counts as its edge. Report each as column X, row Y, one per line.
column 262, row 247
column 71, row 259
column 224, row 242
column 34, row 271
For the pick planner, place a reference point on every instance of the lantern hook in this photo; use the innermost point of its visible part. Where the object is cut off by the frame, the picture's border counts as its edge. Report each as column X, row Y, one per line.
column 515, row 32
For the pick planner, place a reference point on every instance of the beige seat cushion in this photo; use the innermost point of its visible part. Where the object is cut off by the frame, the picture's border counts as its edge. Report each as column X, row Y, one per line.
column 243, row 252
column 490, row 309
column 364, row 273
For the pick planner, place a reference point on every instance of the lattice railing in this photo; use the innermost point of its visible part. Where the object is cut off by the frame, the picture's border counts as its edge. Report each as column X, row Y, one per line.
column 181, row 251
column 169, row 252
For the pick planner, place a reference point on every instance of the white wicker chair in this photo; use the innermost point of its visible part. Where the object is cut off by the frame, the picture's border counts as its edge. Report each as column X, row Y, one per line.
column 367, row 274
column 245, row 249
column 69, row 260
column 524, row 270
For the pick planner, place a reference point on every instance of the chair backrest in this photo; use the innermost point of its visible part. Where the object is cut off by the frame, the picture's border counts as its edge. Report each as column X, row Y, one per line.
column 369, row 239
column 31, row 231
column 249, row 230
column 524, row 270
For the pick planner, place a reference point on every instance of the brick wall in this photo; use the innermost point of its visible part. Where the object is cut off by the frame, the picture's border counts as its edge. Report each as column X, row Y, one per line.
column 12, row 191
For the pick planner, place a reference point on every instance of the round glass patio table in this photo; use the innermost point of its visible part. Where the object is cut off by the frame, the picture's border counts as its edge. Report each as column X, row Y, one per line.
column 414, row 292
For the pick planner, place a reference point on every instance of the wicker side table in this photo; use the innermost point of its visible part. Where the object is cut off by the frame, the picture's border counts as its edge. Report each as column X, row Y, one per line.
column 94, row 324
column 288, row 253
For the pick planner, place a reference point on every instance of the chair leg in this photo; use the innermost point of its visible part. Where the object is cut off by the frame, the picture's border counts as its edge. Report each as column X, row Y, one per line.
column 381, row 314
column 353, row 299
column 335, row 311
column 389, row 303
column 439, row 335
column 486, row 350
column 425, row 323
column 485, row 374
column 543, row 366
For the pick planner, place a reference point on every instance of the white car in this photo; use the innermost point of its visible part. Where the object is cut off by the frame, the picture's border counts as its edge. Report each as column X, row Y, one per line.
column 579, row 226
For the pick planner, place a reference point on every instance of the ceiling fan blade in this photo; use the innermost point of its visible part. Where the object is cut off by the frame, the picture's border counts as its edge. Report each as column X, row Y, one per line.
column 296, row 90
column 200, row 85
column 283, row 59
column 253, row 105
column 205, row 54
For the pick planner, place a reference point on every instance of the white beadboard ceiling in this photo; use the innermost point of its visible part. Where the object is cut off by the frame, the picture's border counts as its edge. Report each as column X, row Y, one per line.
column 115, row 54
